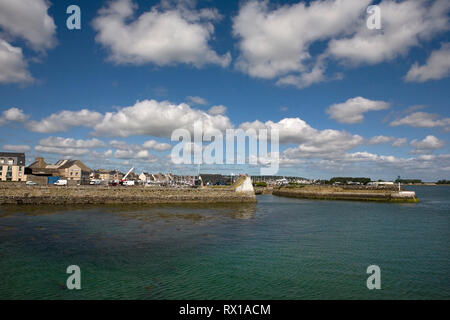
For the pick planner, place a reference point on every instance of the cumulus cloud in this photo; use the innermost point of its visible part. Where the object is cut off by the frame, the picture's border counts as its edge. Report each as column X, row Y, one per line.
column 380, row 140
column 352, row 110
column 142, row 156
column 404, row 25
column 158, row 119
column 311, row 142
column 29, row 20
column 61, row 142
column 62, row 151
column 427, row 145
column 167, row 34
column 122, row 145
column 154, row 145
column 16, row 148
column 399, row 142
column 67, row 146
column 194, row 100
column 104, row 155
column 422, row 120
column 436, row 67
column 139, row 153
column 396, row 142
column 217, row 110
column 375, row 165
column 64, row 120
column 275, row 42
column 13, row 67
column 13, row 115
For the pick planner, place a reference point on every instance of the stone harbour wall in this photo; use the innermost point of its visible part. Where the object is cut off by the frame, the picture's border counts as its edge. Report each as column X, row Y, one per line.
column 57, row 195
column 333, row 193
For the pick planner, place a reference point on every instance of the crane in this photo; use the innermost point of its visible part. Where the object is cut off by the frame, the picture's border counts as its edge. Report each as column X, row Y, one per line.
column 126, row 176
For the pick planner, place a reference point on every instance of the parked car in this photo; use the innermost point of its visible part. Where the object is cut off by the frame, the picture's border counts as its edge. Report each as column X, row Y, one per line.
column 31, row 183
column 95, row 182
column 61, row 183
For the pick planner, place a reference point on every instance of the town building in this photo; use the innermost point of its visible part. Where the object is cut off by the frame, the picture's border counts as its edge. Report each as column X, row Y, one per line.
column 12, row 166
column 70, row 170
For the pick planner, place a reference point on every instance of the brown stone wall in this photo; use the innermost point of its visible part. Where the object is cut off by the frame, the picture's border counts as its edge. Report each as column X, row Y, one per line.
column 21, row 194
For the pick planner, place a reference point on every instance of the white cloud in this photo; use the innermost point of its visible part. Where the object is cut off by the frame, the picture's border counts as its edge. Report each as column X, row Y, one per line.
column 13, row 115
column 29, row 20
column 62, row 151
column 404, row 25
column 122, row 145
column 64, row 120
column 158, row 119
column 165, row 35
column 16, row 148
column 400, row 142
column 194, row 100
column 154, row 145
column 60, row 142
column 217, row 110
column 352, row 110
column 142, row 156
column 436, row 67
column 67, row 146
column 275, row 42
column 422, row 120
column 427, row 145
column 105, row 155
column 396, row 142
column 13, row 67
column 312, row 142
column 380, row 140
column 375, row 166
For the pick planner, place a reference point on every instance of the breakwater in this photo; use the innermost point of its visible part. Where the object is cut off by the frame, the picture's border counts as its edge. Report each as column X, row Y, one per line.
column 339, row 193
column 52, row 195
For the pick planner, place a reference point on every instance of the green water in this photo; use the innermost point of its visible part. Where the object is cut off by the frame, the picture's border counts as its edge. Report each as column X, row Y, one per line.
column 279, row 248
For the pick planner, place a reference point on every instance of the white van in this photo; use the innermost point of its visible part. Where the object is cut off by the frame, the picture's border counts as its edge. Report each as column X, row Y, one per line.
column 61, row 183
column 128, row 183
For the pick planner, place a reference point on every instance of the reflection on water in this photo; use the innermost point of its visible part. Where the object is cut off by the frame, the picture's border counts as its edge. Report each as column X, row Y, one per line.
column 189, row 211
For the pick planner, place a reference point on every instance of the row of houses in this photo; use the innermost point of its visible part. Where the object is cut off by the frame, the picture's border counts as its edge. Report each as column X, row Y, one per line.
column 12, row 168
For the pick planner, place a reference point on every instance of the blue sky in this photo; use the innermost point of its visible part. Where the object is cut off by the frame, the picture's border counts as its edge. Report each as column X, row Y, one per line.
column 347, row 100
